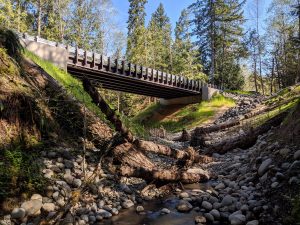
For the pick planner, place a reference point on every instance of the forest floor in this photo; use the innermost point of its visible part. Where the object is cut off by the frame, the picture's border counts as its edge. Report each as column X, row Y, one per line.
column 257, row 184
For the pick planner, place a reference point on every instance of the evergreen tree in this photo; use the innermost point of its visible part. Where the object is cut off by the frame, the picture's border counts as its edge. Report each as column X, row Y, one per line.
column 185, row 56
column 136, row 40
column 13, row 15
column 218, row 30
column 160, row 40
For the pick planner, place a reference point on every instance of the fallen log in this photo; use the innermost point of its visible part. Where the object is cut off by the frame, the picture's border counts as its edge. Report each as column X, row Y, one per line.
column 173, row 175
column 131, row 158
column 108, row 112
column 268, row 109
column 247, row 139
column 199, row 134
column 188, row 154
column 135, row 163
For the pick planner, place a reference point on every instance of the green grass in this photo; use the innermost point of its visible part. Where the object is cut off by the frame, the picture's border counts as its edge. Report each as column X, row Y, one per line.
column 71, row 84
column 187, row 117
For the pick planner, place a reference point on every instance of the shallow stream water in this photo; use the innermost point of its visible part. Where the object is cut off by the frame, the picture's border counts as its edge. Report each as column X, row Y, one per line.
column 152, row 214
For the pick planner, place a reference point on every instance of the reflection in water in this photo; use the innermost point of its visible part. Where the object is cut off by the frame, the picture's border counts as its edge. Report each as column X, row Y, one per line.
column 152, row 212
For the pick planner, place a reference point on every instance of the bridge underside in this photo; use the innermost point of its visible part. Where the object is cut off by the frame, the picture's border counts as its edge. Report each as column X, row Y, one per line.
column 125, row 83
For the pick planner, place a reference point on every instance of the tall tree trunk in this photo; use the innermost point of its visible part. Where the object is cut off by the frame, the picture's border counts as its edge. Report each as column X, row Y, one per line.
column 39, row 17
column 272, row 76
column 212, row 37
column 19, row 14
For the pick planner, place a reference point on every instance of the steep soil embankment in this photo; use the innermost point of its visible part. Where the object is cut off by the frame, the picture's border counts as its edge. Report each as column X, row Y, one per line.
column 37, row 114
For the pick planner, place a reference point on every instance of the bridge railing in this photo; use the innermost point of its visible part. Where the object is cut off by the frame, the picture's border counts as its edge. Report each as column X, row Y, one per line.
column 95, row 61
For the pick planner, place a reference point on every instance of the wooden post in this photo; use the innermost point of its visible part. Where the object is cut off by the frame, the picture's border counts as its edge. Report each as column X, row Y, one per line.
column 108, row 64
column 76, row 56
column 123, row 67
column 156, row 76
column 135, row 71
column 146, row 77
column 117, row 65
column 101, row 63
column 93, row 61
column 129, row 69
column 141, row 74
column 85, row 58
column 152, row 74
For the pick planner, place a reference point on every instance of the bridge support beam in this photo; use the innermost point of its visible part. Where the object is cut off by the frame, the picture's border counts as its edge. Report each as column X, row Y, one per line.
column 181, row 101
column 208, row 92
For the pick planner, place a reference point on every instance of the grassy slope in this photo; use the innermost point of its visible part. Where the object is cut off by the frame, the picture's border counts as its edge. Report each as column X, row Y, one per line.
column 71, row 84
column 188, row 117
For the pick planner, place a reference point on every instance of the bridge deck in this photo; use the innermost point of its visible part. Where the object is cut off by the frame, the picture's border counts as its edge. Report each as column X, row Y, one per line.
column 121, row 76
column 114, row 74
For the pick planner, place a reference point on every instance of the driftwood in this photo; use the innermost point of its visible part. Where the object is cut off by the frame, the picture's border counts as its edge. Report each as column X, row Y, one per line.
column 247, row 139
column 199, row 134
column 188, row 154
column 137, row 164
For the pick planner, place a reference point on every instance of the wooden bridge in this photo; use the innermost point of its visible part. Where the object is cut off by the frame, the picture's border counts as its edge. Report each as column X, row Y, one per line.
column 114, row 74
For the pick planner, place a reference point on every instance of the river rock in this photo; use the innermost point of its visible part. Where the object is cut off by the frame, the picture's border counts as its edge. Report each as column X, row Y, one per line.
column 18, row 213
column 253, row 222
column 49, row 207
column 139, row 209
column 165, row 211
column 220, row 186
column 103, row 213
column 284, row 152
column 127, row 204
column 77, row 183
column 297, row 155
column 227, row 200
column 184, row 206
column 237, row 218
column 295, row 167
column 37, row 197
column 200, row 219
column 32, row 207
column 264, row 167
column 274, row 184
column 215, row 213
column 184, row 195
column 206, row 205
column 209, row 217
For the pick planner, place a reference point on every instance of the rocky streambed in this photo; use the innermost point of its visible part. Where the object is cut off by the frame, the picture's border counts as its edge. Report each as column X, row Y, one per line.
column 246, row 187
column 242, row 183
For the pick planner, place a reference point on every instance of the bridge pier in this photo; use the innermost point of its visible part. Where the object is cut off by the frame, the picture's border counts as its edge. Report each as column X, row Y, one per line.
column 207, row 93
column 181, row 101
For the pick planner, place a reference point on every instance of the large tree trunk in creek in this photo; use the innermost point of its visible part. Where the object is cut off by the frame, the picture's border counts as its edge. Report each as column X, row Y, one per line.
column 247, row 139
column 131, row 157
column 136, row 164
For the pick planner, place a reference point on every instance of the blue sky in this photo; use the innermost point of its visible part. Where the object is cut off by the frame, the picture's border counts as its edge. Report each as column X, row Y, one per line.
column 174, row 7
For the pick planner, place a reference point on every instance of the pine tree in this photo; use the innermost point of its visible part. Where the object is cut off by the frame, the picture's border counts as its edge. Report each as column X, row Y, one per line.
column 13, row 15
column 218, row 31
column 136, row 40
column 160, row 40
column 185, row 56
